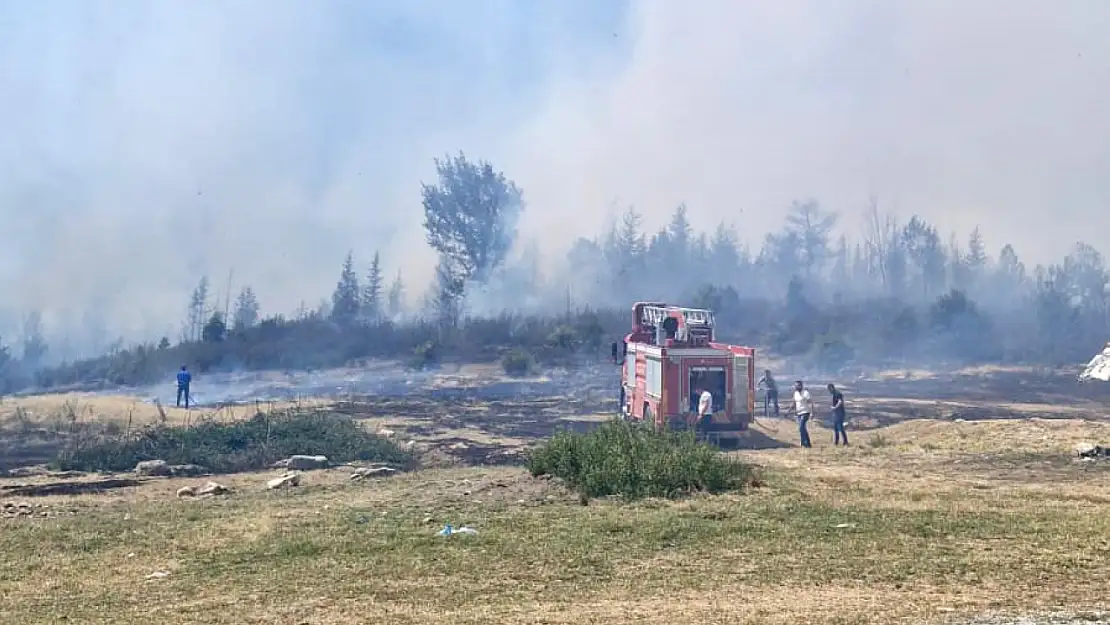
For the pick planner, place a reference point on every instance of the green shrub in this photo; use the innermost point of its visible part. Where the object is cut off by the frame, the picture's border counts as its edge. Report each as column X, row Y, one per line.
column 878, row 441
column 635, row 461
column 237, row 445
column 517, row 362
column 563, row 337
column 423, row 356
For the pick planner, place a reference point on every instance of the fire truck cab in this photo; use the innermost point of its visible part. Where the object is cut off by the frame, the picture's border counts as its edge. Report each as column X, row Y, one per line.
column 670, row 356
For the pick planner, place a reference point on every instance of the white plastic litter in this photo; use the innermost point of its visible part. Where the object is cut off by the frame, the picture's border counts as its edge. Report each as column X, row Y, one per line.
column 448, row 530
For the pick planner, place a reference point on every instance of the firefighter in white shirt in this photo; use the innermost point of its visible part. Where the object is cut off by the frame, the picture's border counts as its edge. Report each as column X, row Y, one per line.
column 705, row 407
column 803, row 410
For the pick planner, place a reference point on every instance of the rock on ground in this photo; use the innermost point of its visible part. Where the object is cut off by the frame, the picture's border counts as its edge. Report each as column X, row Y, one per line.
column 153, row 468
column 372, row 472
column 209, row 489
column 285, row 481
column 24, row 509
column 24, row 472
column 160, row 468
column 187, row 470
column 303, row 463
column 1088, row 450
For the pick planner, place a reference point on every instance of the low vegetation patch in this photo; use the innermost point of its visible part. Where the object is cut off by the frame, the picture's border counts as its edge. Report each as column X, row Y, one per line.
column 225, row 447
column 518, row 363
column 634, row 461
column 424, row 356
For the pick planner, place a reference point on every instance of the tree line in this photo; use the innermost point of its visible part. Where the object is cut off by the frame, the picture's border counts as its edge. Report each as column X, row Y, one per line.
column 898, row 291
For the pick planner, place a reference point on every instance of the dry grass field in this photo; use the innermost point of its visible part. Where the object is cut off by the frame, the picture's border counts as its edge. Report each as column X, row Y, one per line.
column 920, row 521
column 114, row 408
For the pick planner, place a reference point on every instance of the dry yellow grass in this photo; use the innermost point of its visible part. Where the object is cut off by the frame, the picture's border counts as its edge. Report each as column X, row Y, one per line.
column 119, row 409
column 921, row 521
column 1032, row 435
column 916, row 529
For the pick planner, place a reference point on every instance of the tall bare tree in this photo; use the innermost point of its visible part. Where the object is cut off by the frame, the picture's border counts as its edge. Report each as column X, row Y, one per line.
column 198, row 310
column 883, row 248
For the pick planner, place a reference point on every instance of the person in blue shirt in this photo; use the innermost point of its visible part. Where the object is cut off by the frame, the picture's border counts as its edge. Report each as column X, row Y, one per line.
column 183, row 380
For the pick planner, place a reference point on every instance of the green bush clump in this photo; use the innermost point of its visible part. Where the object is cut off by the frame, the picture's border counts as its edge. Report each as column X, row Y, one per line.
column 226, row 447
column 424, row 356
column 635, row 461
column 517, row 363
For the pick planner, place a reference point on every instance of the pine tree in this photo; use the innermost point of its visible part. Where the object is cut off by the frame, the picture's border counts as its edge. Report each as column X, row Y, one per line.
column 215, row 329
column 246, row 310
column 345, row 300
column 34, row 345
column 976, row 258
column 5, row 362
column 396, row 297
column 372, row 291
column 959, row 270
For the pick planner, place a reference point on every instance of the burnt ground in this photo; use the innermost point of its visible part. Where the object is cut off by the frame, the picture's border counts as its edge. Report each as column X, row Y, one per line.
column 885, row 398
column 477, row 416
column 66, row 487
column 468, row 425
column 22, row 447
column 26, row 442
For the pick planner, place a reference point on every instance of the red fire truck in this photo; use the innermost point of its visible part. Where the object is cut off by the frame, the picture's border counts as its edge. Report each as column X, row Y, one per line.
column 668, row 356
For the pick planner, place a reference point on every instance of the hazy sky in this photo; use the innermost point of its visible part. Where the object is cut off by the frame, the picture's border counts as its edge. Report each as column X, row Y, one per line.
column 147, row 143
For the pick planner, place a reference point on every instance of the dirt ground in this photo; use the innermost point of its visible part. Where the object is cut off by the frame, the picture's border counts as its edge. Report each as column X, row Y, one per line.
column 960, row 499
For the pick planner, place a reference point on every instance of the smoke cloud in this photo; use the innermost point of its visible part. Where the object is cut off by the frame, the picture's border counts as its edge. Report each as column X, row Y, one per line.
column 148, row 144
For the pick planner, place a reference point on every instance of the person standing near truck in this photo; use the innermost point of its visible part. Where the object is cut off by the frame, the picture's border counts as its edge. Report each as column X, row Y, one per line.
column 803, row 410
column 838, row 414
column 771, row 393
column 184, row 378
column 705, row 407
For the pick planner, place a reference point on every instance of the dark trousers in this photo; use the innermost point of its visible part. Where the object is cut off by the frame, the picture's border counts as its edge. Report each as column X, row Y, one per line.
column 183, row 391
column 702, row 422
column 838, row 428
column 803, row 431
column 771, row 397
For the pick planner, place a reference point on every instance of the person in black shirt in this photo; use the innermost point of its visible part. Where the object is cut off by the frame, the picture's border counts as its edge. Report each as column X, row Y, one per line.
column 838, row 416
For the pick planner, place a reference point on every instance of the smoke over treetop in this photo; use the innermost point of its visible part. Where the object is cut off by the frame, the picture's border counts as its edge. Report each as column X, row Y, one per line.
column 964, row 113
column 148, row 144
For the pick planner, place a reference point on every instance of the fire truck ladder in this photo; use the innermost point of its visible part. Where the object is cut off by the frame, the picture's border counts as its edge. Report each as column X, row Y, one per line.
column 693, row 317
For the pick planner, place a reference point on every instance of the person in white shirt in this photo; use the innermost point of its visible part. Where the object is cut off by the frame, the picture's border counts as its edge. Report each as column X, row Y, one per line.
column 803, row 409
column 705, row 407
